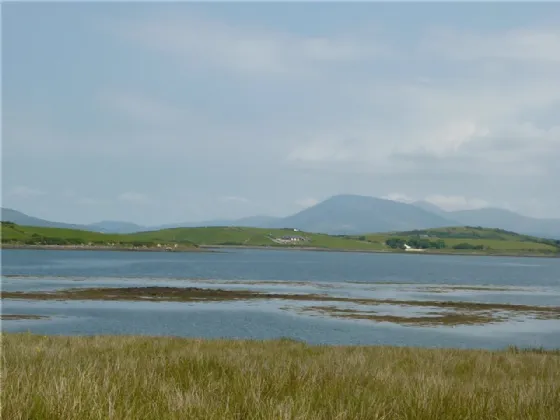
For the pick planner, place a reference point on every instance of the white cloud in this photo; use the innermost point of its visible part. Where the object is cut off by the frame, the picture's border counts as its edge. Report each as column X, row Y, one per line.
column 307, row 202
column 245, row 49
column 462, row 115
column 445, row 202
column 403, row 198
column 491, row 128
column 523, row 44
column 468, row 115
column 456, row 202
column 23, row 191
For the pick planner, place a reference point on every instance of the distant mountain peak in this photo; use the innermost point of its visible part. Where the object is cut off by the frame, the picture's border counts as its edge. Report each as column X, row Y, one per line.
column 350, row 213
column 344, row 214
column 426, row 205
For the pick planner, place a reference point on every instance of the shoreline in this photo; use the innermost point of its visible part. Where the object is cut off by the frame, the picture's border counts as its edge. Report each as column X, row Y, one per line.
column 99, row 248
column 283, row 340
column 217, row 248
column 378, row 251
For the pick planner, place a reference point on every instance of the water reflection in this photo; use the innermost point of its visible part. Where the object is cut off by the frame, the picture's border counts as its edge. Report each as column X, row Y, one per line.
column 375, row 276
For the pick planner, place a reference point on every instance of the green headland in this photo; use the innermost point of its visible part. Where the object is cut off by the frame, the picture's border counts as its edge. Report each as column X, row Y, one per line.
column 452, row 240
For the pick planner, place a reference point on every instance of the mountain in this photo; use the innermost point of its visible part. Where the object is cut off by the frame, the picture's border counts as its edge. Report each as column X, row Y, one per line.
column 497, row 218
column 257, row 221
column 10, row 215
column 352, row 214
column 112, row 226
column 508, row 220
column 251, row 221
column 342, row 214
column 432, row 208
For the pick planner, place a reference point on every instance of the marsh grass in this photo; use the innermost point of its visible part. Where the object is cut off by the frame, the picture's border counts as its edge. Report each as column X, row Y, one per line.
column 429, row 319
column 13, row 317
column 155, row 293
column 445, row 289
column 449, row 313
column 169, row 378
column 195, row 294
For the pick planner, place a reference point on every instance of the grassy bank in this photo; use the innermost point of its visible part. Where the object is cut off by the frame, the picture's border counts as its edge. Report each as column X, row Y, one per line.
column 16, row 236
column 454, row 240
column 168, row 378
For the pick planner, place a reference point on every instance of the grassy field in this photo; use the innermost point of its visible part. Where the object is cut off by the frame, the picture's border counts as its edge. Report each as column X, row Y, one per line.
column 169, row 378
column 202, row 236
column 490, row 241
column 242, row 236
column 17, row 234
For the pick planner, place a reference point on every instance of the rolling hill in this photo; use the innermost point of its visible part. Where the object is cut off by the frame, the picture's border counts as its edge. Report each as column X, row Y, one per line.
column 20, row 218
column 343, row 214
column 112, row 226
column 432, row 208
column 441, row 240
column 10, row 215
column 251, row 221
column 498, row 218
column 508, row 220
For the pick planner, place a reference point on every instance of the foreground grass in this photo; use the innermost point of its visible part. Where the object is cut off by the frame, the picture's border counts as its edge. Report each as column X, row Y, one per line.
column 169, row 378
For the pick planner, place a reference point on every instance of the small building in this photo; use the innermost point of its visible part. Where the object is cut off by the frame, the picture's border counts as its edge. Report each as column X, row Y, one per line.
column 293, row 238
column 409, row 248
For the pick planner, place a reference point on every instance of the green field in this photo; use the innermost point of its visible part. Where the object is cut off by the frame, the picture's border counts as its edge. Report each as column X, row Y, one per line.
column 33, row 235
column 461, row 240
column 489, row 240
column 125, row 378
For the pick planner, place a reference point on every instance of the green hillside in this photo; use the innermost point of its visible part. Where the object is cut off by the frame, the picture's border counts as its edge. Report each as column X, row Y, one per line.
column 34, row 235
column 475, row 239
column 441, row 240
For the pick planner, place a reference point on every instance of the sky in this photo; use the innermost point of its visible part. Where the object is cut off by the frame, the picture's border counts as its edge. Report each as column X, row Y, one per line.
column 172, row 112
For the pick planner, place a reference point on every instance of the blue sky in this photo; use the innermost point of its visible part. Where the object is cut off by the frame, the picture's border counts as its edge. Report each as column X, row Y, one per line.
column 157, row 113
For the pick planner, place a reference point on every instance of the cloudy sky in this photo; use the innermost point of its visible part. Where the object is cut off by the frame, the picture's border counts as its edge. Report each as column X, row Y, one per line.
column 182, row 112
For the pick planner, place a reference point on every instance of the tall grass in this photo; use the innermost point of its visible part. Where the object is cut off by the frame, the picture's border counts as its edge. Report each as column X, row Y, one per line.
column 169, row 378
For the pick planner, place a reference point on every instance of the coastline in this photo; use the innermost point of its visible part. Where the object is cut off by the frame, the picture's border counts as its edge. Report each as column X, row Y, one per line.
column 218, row 248
column 100, row 248
column 382, row 251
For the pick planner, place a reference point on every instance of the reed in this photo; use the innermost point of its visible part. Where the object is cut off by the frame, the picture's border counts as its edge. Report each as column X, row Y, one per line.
column 106, row 377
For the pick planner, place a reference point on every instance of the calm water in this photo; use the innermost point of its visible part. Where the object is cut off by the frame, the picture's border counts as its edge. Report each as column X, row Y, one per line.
column 529, row 281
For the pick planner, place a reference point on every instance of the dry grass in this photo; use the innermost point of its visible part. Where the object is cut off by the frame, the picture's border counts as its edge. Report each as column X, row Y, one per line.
column 168, row 378
column 429, row 319
column 443, row 289
column 195, row 294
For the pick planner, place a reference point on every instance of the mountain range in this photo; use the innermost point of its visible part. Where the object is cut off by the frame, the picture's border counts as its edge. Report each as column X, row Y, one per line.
column 343, row 214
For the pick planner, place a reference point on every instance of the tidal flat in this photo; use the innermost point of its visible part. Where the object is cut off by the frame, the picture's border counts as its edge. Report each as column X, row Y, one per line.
column 320, row 298
column 441, row 312
column 15, row 317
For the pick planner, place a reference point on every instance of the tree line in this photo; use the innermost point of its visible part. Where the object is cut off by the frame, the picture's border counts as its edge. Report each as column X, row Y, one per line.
column 424, row 243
